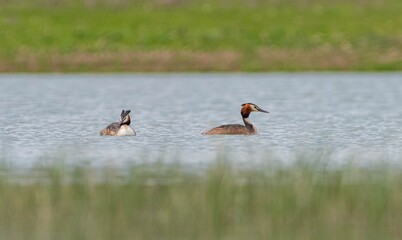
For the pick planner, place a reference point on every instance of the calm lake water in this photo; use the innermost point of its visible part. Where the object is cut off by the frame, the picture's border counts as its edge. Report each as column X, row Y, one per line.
column 59, row 116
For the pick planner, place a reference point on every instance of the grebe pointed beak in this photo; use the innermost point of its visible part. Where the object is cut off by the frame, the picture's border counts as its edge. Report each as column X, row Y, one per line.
column 260, row 110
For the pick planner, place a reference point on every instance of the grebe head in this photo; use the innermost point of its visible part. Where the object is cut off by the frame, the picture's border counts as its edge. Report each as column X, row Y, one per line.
column 247, row 108
column 125, row 117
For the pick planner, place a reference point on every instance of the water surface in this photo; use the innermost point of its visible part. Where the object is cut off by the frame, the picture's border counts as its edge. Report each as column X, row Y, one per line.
column 47, row 115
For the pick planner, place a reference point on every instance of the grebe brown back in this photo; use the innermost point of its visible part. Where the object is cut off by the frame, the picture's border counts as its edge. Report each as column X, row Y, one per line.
column 121, row 128
column 232, row 129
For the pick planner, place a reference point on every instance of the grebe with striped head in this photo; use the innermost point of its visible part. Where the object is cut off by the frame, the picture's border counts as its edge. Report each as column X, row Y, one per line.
column 233, row 129
column 121, row 128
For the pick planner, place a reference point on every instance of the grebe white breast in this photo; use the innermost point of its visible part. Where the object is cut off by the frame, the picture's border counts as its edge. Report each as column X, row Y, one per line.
column 233, row 129
column 121, row 128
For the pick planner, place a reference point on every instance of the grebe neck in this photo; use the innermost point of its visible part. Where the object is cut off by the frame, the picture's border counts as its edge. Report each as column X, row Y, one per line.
column 249, row 125
column 128, row 122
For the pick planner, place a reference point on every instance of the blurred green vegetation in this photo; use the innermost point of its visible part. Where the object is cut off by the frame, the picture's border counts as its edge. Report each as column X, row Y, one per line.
column 58, row 35
column 223, row 201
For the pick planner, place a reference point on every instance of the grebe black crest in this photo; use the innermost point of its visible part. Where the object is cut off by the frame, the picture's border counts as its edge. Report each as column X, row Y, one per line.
column 233, row 129
column 121, row 128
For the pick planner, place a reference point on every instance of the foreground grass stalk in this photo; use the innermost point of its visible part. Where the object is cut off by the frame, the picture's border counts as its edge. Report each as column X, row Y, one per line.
column 223, row 203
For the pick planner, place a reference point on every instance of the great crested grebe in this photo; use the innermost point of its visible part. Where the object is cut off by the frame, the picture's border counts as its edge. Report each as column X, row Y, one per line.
column 121, row 128
column 232, row 129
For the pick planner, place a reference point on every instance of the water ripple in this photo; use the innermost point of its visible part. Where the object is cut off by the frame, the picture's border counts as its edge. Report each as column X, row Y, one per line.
column 46, row 115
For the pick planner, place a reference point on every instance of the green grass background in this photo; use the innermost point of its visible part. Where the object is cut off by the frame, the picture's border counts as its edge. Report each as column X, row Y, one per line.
column 262, row 35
